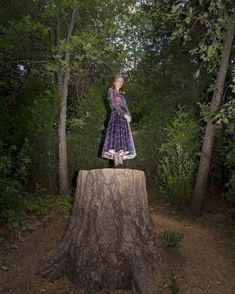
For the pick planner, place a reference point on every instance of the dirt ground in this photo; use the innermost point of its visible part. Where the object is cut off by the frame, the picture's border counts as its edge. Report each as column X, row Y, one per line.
column 203, row 262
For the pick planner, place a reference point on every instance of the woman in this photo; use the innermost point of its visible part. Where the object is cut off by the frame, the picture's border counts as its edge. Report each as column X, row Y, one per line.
column 118, row 144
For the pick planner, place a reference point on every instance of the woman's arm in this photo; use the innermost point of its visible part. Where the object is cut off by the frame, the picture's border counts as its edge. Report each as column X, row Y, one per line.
column 127, row 114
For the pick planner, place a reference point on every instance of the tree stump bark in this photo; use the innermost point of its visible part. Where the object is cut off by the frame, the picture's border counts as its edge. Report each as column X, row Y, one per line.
column 109, row 242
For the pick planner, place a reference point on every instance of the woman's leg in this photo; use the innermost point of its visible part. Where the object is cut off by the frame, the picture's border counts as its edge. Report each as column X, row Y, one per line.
column 116, row 159
column 120, row 159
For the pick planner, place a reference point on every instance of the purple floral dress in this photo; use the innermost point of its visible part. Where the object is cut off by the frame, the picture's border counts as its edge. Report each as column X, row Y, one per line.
column 118, row 134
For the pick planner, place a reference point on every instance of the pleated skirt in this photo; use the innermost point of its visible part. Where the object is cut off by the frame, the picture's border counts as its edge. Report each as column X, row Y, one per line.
column 118, row 138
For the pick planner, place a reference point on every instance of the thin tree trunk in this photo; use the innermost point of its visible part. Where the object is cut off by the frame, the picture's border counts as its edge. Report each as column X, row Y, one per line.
column 63, row 81
column 204, row 165
column 63, row 168
column 109, row 242
column 49, row 158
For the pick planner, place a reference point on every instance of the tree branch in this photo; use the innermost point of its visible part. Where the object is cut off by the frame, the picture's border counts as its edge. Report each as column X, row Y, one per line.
column 71, row 25
column 27, row 60
column 58, row 32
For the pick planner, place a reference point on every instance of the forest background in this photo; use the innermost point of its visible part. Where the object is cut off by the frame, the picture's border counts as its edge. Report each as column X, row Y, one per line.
column 169, row 53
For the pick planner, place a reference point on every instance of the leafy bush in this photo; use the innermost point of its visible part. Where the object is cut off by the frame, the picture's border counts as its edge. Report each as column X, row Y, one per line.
column 176, row 169
column 64, row 204
column 226, row 119
column 15, row 167
column 182, row 131
column 177, row 172
column 230, row 164
column 39, row 203
column 11, row 190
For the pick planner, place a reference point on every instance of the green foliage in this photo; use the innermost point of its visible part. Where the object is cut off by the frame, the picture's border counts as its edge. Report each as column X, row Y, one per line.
column 171, row 238
column 176, row 169
column 183, row 129
column 146, row 141
column 29, row 212
column 15, row 168
column 165, row 48
column 206, row 22
column 36, row 124
column 176, row 172
column 226, row 119
column 226, row 115
column 29, row 59
column 86, row 130
column 205, row 112
column 148, row 121
column 39, row 202
column 64, row 204
column 12, row 176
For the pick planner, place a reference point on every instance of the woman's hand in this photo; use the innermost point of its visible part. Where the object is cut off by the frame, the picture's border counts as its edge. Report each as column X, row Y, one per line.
column 127, row 117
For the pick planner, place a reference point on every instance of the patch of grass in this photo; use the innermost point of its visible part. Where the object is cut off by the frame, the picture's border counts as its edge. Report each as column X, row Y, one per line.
column 171, row 238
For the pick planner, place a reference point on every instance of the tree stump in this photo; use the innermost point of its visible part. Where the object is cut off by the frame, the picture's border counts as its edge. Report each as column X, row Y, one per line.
column 109, row 242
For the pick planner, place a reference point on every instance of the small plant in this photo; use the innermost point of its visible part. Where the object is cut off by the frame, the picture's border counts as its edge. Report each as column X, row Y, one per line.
column 171, row 238
column 64, row 204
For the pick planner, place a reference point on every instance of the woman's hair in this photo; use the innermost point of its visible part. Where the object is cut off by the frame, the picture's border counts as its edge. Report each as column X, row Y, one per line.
column 117, row 77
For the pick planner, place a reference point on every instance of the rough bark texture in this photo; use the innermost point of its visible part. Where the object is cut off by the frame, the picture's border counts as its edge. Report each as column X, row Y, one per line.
column 204, row 165
column 63, row 169
column 109, row 242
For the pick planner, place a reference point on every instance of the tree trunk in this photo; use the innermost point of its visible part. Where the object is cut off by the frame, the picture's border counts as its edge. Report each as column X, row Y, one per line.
column 63, row 81
column 204, row 165
column 63, row 167
column 109, row 242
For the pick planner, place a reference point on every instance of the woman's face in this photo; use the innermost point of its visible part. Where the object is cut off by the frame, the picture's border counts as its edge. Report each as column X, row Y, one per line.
column 118, row 83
